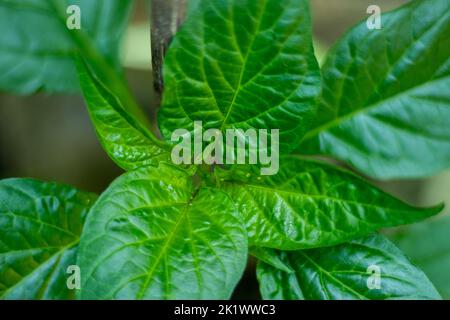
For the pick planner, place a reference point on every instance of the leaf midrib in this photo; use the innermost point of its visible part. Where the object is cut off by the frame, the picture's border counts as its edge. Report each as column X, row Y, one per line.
column 44, row 223
column 244, row 65
column 338, row 120
column 330, row 275
column 316, row 196
column 162, row 252
column 59, row 252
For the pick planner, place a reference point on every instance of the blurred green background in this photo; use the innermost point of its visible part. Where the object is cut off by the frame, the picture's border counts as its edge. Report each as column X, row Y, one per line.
column 51, row 138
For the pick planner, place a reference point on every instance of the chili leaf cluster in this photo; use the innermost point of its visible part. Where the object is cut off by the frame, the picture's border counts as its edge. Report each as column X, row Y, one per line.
column 160, row 231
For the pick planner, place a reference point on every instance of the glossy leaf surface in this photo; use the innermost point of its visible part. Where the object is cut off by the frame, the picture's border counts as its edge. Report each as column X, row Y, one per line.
column 242, row 64
column 151, row 235
column 368, row 268
column 386, row 98
column 124, row 138
column 40, row 227
column 310, row 204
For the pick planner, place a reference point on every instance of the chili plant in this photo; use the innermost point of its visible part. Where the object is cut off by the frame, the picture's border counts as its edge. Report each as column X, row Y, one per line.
column 380, row 103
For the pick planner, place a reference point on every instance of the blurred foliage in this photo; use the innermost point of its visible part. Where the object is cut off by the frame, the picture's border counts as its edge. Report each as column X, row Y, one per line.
column 136, row 49
column 428, row 246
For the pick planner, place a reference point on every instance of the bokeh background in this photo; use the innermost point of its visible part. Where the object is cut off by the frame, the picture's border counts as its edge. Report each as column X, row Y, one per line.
column 51, row 138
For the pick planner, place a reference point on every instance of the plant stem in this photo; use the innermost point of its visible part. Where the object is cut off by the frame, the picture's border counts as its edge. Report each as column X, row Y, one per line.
column 166, row 17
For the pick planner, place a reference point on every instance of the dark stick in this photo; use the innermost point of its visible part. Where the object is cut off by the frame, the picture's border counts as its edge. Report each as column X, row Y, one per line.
column 166, row 17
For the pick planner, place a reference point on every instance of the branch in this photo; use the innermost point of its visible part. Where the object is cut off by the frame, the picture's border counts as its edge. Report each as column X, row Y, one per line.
column 166, row 17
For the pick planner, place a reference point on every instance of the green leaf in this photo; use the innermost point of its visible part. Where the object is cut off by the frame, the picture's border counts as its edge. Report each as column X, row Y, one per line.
column 309, row 204
column 386, row 98
column 240, row 64
column 266, row 255
column 276, row 284
column 37, row 48
column 428, row 246
column 151, row 235
column 347, row 271
column 128, row 142
column 40, row 226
